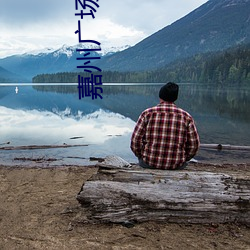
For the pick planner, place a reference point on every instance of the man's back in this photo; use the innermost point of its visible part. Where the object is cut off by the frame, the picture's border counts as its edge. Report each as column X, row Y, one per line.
column 165, row 136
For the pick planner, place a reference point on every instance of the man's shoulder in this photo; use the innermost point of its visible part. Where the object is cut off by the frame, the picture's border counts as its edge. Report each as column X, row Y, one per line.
column 178, row 109
column 150, row 110
column 184, row 113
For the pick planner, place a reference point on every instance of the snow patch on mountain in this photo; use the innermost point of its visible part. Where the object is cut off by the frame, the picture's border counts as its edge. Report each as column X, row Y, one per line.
column 110, row 50
column 39, row 52
column 70, row 50
column 64, row 50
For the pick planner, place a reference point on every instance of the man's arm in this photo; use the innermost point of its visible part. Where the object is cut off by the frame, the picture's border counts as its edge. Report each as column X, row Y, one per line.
column 138, row 136
column 193, row 141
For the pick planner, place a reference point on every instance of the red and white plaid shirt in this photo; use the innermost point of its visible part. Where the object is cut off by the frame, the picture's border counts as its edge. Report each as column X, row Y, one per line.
column 165, row 136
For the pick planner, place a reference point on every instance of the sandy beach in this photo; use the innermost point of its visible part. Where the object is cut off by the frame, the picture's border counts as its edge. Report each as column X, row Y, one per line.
column 39, row 210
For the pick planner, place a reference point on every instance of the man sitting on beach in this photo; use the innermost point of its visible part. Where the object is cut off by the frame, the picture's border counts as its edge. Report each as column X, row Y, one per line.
column 165, row 136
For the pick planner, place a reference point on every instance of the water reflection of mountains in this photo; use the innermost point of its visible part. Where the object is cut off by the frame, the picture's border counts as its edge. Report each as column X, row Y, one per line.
column 130, row 100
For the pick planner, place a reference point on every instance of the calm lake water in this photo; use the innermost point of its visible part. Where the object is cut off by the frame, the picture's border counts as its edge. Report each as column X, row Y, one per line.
column 54, row 115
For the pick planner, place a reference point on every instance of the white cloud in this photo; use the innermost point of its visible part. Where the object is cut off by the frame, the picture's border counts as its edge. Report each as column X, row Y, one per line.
column 33, row 24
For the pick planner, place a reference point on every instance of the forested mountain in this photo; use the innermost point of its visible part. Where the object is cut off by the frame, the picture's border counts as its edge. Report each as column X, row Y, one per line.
column 29, row 65
column 231, row 66
column 4, row 74
column 7, row 76
column 216, row 25
column 63, row 59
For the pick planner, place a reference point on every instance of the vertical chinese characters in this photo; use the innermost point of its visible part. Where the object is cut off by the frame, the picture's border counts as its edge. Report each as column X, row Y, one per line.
column 88, row 86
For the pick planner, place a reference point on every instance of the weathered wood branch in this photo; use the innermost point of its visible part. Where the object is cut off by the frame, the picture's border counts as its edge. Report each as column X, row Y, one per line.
column 29, row 147
column 119, row 195
column 224, row 147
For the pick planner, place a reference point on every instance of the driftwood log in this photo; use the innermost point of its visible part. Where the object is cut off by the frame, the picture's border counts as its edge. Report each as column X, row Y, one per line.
column 30, row 147
column 224, row 147
column 119, row 195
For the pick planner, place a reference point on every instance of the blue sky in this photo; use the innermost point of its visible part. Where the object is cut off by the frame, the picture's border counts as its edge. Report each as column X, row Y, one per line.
column 30, row 25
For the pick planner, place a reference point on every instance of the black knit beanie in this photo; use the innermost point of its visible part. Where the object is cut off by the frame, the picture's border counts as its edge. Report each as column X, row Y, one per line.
column 169, row 92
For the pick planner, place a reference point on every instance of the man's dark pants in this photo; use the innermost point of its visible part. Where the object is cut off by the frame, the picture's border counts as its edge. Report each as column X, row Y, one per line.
column 145, row 165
